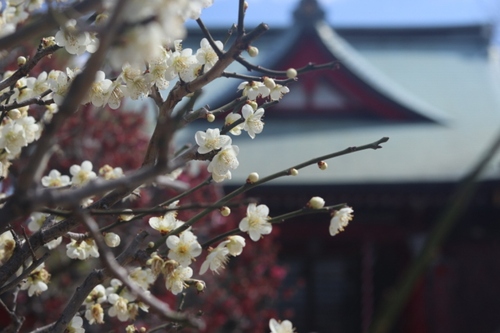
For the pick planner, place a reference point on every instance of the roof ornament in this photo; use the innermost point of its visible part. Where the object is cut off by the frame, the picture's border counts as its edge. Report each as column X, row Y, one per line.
column 308, row 12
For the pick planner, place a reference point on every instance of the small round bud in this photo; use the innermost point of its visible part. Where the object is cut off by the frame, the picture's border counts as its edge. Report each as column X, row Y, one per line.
column 14, row 114
column 142, row 329
column 21, row 60
column 112, row 239
column 322, row 165
column 210, row 117
column 253, row 51
column 291, row 73
column 293, row 172
column 151, row 245
column 268, row 82
column 225, row 211
column 200, row 286
column 126, row 216
column 316, row 203
column 252, row 178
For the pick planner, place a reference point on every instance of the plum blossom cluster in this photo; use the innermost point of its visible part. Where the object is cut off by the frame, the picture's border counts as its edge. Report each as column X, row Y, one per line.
column 15, row 12
column 116, row 300
column 212, row 140
column 266, row 89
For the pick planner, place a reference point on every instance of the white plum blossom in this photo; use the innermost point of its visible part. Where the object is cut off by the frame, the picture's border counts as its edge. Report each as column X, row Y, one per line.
column 182, row 64
column 340, row 220
column 82, row 173
column 74, row 41
column 55, row 179
column 183, row 248
column 12, row 139
column 211, row 140
column 21, row 93
column 254, row 89
column 75, row 325
column 157, row 69
column 115, row 94
column 167, row 222
column 216, row 259
column 108, row 172
column 37, row 86
column 7, row 246
column 144, row 277
column 284, row 326
column 136, row 83
column 99, row 90
column 36, row 220
column 222, row 163
column 253, row 123
column 175, row 281
column 82, row 249
column 256, row 222
column 31, row 129
column 230, row 119
column 53, row 243
column 59, row 83
column 123, row 304
column 97, row 295
column 235, row 245
column 95, row 314
column 119, row 307
column 278, row 91
column 206, row 55
column 36, row 282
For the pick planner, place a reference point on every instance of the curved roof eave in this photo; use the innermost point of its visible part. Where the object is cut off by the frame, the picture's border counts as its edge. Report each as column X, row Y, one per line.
column 355, row 63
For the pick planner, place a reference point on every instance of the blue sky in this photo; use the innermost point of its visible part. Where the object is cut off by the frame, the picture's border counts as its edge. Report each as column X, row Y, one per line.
column 362, row 12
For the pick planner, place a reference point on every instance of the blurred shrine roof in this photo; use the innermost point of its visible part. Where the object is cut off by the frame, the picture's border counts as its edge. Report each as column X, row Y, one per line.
column 434, row 91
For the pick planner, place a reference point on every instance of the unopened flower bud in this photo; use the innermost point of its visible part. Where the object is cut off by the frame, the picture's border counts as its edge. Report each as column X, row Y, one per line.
column 48, row 41
column 316, row 203
column 293, row 172
column 253, row 51
column 200, row 286
column 101, row 18
column 126, row 216
column 14, row 114
column 210, row 117
column 112, row 239
column 291, row 73
column 21, row 60
column 151, row 245
column 268, row 82
column 130, row 329
column 252, row 178
column 225, row 211
column 322, row 165
column 245, row 6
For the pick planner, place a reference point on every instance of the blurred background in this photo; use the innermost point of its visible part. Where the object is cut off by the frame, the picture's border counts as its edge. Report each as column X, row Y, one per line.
column 424, row 73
